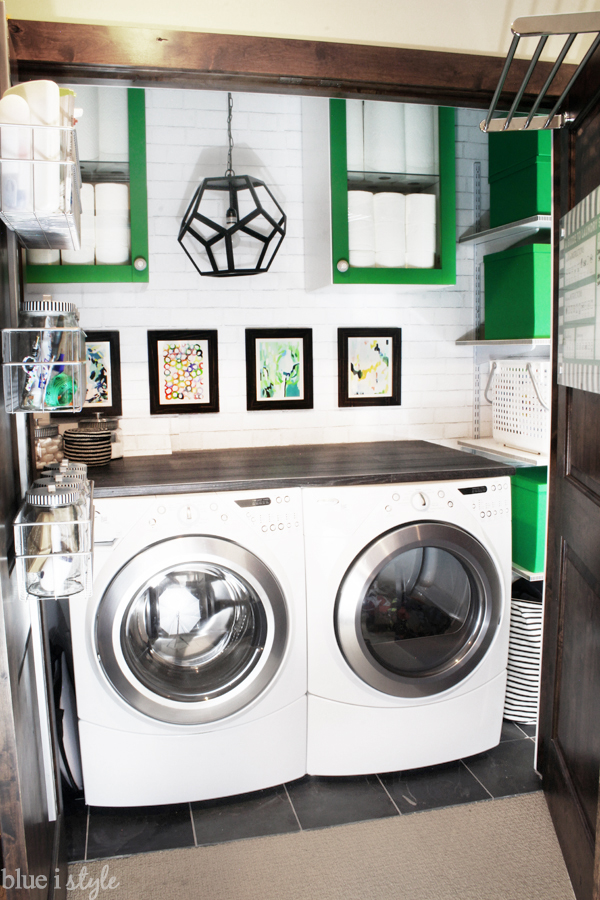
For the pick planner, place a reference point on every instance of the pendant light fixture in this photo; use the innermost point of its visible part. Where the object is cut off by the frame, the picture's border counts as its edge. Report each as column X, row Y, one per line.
column 234, row 225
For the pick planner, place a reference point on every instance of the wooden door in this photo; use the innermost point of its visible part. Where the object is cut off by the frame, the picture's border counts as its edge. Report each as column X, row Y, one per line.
column 569, row 729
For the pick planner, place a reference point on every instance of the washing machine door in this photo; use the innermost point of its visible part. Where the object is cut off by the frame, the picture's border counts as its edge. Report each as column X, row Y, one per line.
column 418, row 609
column 192, row 629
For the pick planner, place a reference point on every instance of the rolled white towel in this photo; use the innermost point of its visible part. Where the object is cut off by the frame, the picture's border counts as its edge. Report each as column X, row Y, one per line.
column 361, row 229
column 43, row 99
column 354, row 136
column 390, row 229
column 15, row 144
column 384, row 137
column 86, row 255
column 43, row 257
column 421, row 242
column 421, row 209
column 421, row 139
column 113, row 126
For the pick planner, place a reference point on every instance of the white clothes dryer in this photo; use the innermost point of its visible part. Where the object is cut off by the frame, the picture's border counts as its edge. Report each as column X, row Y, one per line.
column 190, row 656
column 408, row 602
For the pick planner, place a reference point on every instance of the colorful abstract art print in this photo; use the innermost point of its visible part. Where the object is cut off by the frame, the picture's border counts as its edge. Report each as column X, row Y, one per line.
column 279, row 368
column 103, row 375
column 369, row 366
column 183, row 372
column 183, row 375
column 98, row 391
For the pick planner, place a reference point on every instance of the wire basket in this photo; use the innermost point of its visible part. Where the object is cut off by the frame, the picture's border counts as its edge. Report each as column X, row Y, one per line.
column 520, row 403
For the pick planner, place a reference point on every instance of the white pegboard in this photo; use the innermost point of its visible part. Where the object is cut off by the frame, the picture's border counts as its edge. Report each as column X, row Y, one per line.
column 520, row 403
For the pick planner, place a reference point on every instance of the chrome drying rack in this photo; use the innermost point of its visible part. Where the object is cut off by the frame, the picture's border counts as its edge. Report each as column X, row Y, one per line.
column 569, row 24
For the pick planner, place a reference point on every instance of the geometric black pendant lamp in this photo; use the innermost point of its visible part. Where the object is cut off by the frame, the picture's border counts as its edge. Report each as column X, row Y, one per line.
column 234, row 225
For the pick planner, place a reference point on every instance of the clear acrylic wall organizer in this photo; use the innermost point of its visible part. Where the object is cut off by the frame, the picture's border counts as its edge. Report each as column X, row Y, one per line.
column 40, row 183
column 43, row 369
column 53, row 543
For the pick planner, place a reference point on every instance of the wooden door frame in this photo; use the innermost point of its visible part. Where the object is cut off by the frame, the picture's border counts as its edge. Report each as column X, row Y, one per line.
column 151, row 57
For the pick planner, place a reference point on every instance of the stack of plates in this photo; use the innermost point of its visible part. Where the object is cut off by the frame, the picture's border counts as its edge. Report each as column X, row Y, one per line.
column 90, row 447
column 524, row 654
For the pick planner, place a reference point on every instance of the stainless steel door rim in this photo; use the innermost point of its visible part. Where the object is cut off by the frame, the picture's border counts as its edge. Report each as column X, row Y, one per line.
column 472, row 635
column 137, row 576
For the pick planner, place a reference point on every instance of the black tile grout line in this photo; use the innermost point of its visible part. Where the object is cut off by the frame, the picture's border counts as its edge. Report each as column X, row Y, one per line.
column 389, row 795
column 293, row 807
column 478, row 779
column 193, row 825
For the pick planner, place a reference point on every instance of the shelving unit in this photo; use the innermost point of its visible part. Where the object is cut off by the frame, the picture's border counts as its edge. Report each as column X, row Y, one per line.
column 528, row 576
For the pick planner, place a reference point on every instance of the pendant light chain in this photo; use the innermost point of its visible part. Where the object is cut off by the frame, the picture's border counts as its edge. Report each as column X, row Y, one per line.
column 230, row 139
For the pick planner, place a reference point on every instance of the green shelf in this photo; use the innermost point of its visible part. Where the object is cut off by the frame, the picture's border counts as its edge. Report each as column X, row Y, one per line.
column 138, row 201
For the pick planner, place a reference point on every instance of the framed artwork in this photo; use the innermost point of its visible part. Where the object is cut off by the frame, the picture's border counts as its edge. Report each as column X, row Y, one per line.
column 369, row 366
column 279, row 368
column 103, row 376
column 183, row 372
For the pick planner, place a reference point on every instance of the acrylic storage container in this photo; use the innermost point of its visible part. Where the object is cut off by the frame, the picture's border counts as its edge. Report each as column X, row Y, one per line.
column 40, row 179
column 44, row 369
column 53, row 542
column 529, row 501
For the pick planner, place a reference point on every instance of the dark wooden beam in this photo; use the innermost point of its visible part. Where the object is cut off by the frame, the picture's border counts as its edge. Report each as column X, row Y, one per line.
column 159, row 57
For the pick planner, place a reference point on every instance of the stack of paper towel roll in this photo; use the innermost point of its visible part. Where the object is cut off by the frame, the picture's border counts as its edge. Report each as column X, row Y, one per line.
column 105, row 230
column 391, row 137
column 102, row 129
column 391, row 229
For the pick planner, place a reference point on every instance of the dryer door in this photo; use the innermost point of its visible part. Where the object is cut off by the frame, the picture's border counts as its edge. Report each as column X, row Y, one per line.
column 418, row 609
column 192, row 629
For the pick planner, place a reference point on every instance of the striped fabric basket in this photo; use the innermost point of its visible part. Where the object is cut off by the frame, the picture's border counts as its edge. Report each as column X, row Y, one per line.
column 524, row 654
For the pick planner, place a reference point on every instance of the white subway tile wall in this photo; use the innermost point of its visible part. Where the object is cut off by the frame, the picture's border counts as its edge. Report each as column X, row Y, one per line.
column 186, row 141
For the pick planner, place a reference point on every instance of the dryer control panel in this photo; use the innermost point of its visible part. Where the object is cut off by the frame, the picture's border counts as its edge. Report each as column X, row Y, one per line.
column 271, row 513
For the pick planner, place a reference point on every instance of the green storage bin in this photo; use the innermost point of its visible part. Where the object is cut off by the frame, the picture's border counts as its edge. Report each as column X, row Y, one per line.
column 529, row 489
column 516, row 148
column 520, row 176
column 518, row 292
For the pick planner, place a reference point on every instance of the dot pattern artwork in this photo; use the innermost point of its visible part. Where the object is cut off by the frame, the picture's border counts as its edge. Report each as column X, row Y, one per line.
column 183, row 371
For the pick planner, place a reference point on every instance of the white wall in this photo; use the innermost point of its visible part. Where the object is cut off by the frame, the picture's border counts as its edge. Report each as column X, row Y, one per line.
column 472, row 26
column 186, row 138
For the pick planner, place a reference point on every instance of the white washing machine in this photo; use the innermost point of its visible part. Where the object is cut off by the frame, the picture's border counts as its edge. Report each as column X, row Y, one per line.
column 408, row 601
column 190, row 656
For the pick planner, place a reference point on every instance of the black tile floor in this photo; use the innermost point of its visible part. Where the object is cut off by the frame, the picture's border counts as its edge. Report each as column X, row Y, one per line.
column 311, row 802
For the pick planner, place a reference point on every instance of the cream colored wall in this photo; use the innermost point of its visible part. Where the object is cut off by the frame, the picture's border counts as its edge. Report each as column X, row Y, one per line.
column 473, row 26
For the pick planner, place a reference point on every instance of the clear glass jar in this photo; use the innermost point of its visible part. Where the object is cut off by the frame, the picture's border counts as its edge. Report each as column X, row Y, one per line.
column 48, row 313
column 66, row 467
column 53, row 541
column 48, row 445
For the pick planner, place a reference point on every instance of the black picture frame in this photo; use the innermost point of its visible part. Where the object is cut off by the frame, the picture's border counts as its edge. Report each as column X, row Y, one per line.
column 91, row 409
column 298, row 340
column 347, row 344
column 160, row 404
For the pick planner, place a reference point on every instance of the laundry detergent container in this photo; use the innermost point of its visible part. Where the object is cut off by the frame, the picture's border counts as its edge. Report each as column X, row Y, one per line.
column 518, row 292
column 529, row 501
column 520, row 176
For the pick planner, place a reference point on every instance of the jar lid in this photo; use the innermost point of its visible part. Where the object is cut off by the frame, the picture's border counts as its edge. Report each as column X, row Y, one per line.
column 52, row 495
column 93, row 425
column 66, row 466
column 45, row 431
column 47, row 306
column 62, row 481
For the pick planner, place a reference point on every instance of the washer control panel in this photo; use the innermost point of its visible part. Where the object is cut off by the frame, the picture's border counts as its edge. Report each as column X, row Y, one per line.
column 484, row 500
column 271, row 514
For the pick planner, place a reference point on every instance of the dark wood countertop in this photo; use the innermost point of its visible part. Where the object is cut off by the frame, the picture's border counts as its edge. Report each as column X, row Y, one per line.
column 252, row 468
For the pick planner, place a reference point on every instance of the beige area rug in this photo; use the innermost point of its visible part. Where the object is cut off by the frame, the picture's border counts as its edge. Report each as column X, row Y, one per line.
column 492, row 850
